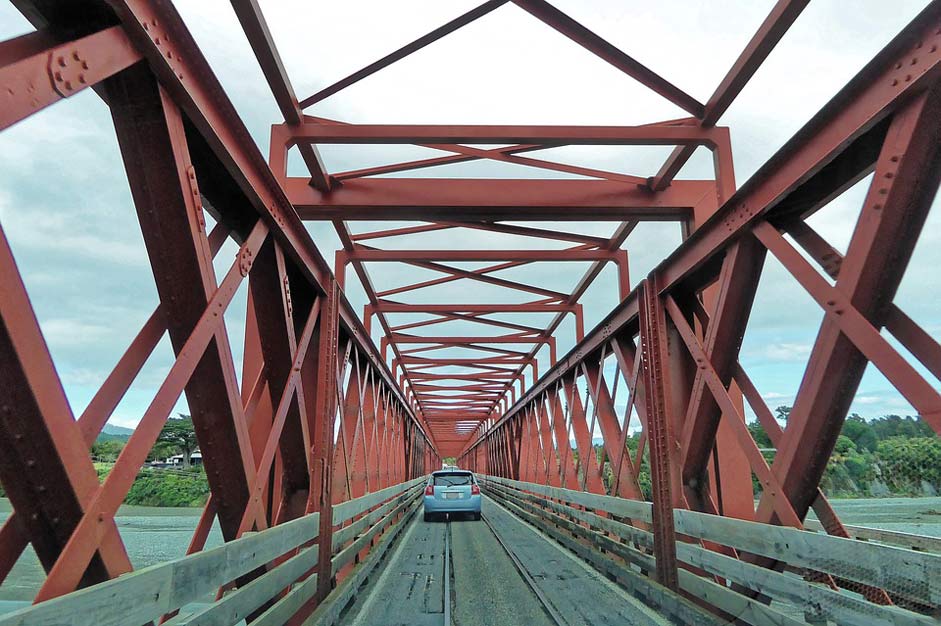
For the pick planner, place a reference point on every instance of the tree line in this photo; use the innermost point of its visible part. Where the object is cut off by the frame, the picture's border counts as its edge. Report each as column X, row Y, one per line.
column 884, row 456
column 891, row 455
column 888, row 455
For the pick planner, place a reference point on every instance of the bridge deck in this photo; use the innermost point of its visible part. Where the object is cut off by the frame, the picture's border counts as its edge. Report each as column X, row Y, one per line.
column 485, row 586
column 541, row 555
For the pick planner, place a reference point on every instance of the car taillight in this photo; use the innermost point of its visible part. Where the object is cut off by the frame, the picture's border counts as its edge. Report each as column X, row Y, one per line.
column 475, row 490
column 430, row 490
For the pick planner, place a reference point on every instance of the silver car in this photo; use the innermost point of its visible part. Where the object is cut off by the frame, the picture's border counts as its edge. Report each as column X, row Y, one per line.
column 452, row 491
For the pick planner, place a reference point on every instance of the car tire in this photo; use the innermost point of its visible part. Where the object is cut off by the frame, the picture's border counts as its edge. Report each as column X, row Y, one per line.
column 476, row 516
column 428, row 517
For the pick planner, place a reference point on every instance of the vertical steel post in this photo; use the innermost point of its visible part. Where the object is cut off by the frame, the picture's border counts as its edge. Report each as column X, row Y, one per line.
column 322, row 383
column 664, row 473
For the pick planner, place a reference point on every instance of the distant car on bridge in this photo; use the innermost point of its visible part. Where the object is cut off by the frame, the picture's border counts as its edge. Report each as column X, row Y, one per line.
column 452, row 491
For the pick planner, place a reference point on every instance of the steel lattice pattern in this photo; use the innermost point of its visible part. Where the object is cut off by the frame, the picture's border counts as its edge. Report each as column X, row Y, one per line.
column 325, row 421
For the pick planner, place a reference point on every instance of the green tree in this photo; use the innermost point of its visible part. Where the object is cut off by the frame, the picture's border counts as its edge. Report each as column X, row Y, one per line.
column 896, row 426
column 844, row 446
column 107, row 450
column 168, row 488
column 759, row 434
column 782, row 413
column 862, row 434
column 179, row 435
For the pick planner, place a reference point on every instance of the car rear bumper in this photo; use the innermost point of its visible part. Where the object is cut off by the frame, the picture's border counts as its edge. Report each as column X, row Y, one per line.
column 464, row 505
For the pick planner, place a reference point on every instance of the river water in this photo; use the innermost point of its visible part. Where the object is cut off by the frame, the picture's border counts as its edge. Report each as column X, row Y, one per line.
column 151, row 535
column 155, row 534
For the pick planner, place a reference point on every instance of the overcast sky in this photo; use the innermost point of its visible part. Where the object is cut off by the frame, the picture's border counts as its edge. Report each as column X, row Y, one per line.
column 67, row 211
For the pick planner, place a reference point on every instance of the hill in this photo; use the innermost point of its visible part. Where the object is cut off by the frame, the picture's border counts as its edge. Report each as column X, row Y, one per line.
column 114, row 433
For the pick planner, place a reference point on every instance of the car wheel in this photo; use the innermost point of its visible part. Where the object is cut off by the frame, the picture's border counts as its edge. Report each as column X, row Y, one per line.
column 477, row 516
column 428, row 517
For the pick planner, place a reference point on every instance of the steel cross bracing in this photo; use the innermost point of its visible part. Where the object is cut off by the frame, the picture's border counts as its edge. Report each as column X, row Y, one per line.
column 318, row 419
column 327, row 428
column 673, row 343
column 455, row 404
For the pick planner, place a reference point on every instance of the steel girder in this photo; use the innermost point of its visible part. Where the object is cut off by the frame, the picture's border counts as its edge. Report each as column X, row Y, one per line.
column 675, row 339
column 269, row 448
column 615, row 197
column 480, row 205
column 320, row 418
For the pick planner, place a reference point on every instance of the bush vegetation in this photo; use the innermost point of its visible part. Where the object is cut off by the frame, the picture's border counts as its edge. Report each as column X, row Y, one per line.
column 164, row 487
column 169, row 488
column 159, row 487
column 886, row 456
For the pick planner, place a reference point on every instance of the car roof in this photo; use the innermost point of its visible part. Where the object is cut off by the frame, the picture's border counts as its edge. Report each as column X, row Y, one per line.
column 452, row 471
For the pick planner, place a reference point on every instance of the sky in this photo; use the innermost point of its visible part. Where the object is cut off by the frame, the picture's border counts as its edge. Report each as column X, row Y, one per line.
column 66, row 208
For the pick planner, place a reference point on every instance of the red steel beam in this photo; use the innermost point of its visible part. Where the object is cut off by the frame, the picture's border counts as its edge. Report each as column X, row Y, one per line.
column 447, row 339
column 778, row 22
column 385, row 256
column 395, row 232
column 437, row 199
column 408, row 166
column 504, row 154
column 259, row 37
column 476, row 319
column 37, row 70
column 650, row 135
column 782, row 16
column 460, row 361
column 894, row 212
column 44, row 462
column 494, row 153
column 277, row 331
column 480, row 275
column 610, row 53
column 163, row 184
column 529, row 231
column 618, row 238
column 738, row 284
column 841, row 126
column 664, row 472
column 404, row 51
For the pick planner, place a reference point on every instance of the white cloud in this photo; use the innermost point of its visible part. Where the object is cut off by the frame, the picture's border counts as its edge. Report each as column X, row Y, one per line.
column 74, row 332
column 788, row 351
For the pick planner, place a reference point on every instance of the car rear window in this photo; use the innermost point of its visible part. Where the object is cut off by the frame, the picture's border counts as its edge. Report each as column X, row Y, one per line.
column 453, row 480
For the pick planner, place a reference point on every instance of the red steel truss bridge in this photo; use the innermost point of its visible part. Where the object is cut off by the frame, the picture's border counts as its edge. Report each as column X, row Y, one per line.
column 317, row 442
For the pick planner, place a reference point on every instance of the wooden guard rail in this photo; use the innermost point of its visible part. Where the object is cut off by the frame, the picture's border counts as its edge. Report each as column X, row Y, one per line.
column 289, row 551
column 923, row 543
column 597, row 528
